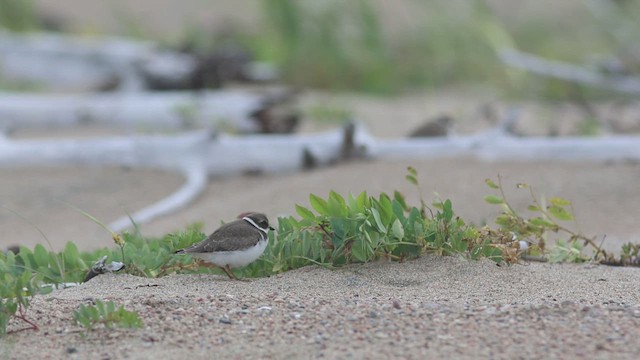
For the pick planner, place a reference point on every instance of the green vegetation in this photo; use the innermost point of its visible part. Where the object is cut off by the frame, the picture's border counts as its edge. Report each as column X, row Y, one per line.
column 18, row 15
column 332, row 232
column 351, row 45
column 344, row 45
column 105, row 314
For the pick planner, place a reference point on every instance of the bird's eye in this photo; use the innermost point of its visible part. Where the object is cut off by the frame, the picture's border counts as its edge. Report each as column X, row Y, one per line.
column 263, row 224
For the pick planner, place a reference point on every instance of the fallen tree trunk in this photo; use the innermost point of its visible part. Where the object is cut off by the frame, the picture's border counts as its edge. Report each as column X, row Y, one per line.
column 569, row 72
column 83, row 63
column 74, row 63
column 509, row 148
column 159, row 111
column 198, row 155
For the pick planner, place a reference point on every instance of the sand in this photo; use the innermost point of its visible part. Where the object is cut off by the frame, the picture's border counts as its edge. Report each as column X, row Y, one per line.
column 432, row 307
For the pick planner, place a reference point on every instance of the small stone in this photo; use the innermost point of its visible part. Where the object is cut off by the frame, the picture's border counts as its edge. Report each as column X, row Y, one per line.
column 381, row 335
column 396, row 304
column 71, row 350
column 225, row 320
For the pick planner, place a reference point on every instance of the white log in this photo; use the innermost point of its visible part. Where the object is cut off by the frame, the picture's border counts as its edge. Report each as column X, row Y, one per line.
column 196, row 155
column 200, row 154
column 221, row 155
column 158, row 111
column 194, row 186
column 569, row 72
column 493, row 148
column 74, row 63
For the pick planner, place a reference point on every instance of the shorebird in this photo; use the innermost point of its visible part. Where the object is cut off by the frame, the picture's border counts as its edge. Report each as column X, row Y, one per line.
column 234, row 244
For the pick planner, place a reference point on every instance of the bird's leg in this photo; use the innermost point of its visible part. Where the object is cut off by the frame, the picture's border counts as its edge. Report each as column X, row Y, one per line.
column 230, row 273
column 226, row 269
column 213, row 266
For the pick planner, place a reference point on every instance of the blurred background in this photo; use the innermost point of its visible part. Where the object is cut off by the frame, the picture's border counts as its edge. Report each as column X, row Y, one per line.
column 372, row 46
column 307, row 66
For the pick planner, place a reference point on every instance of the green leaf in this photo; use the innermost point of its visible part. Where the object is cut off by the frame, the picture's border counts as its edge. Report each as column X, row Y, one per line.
column 386, row 209
column 379, row 224
column 492, row 199
column 412, row 179
column 305, row 213
column 505, row 221
column 397, row 230
column 336, row 205
column 363, row 201
column 398, row 210
column 538, row 221
column 41, row 255
column 337, row 197
column 319, row 205
column 533, row 208
column 359, row 251
column 399, row 197
column 412, row 171
column 447, row 210
column 491, row 184
column 559, row 201
column 560, row 213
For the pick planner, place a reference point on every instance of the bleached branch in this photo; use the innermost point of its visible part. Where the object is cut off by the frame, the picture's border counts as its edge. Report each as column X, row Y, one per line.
column 194, row 186
column 198, row 155
column 569, row 72
column 133, row 111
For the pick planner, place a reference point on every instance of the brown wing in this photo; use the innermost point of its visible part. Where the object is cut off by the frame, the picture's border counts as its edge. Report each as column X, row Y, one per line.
column 229, row 237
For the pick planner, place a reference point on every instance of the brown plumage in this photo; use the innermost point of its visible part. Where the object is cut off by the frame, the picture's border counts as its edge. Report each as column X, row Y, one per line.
column 234, row 244
column 243, row 236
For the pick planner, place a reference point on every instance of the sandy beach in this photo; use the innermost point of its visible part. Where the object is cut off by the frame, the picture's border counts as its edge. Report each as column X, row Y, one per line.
column 433, row 307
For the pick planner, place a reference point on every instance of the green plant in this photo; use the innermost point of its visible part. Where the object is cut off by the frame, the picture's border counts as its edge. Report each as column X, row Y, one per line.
column 106, row 314
column 330, row 44
column 546, row 220
column 564, row 251
column 17, row 15
column 17, row 287
column 329, row 114
column 336, row 231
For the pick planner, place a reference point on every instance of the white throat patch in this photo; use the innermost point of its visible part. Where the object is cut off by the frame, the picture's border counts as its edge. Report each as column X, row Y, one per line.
column 250, row 221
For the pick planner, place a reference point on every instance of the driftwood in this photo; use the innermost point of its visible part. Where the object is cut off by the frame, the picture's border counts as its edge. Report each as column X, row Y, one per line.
column 152, row 111
column 569, row 72
column 81, row 63
column 71, row 63
column 197, row 155
column 201, row 154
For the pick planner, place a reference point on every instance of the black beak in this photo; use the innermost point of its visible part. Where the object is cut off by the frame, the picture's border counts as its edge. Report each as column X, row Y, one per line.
column 270, row 228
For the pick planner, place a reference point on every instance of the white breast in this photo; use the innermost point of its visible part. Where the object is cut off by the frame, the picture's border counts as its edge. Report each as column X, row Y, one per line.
column 237, row 258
